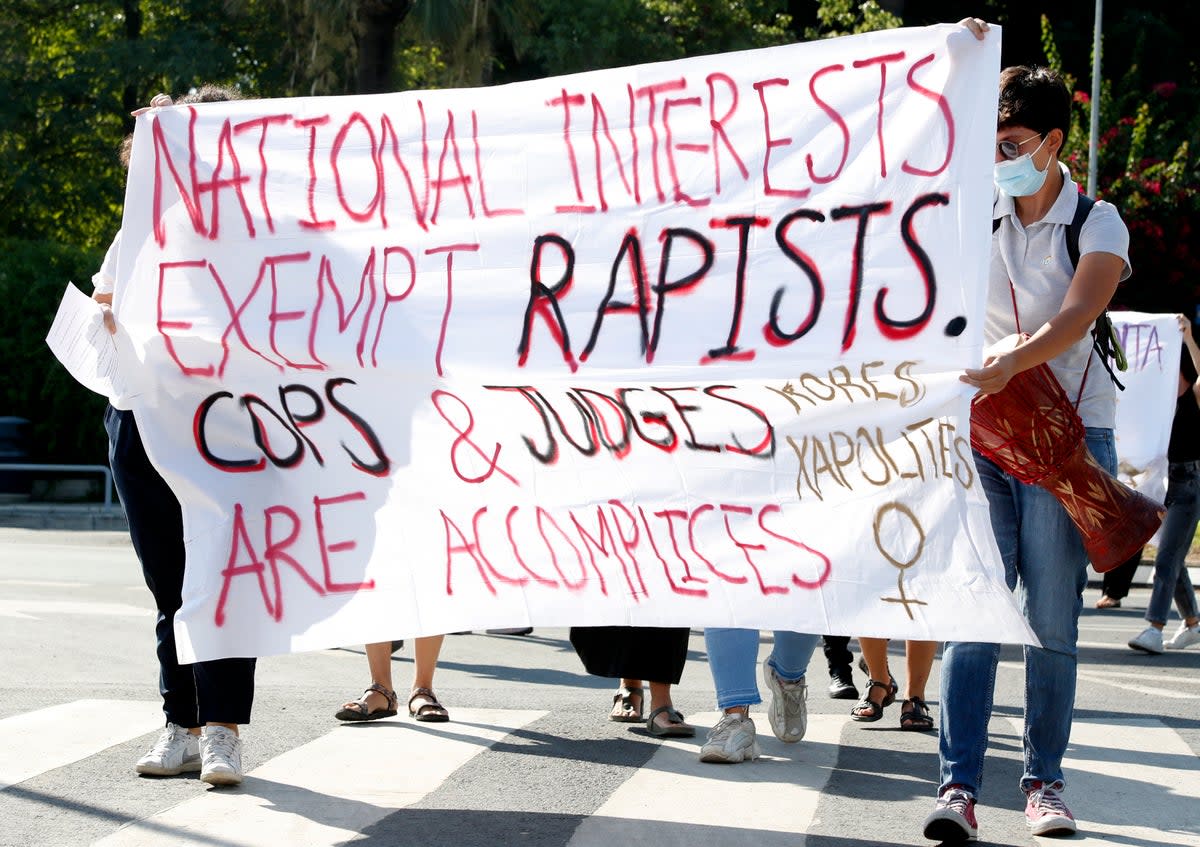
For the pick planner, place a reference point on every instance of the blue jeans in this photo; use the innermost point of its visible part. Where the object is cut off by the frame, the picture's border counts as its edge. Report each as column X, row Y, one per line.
column 1170, row 575
column 733, row 660
column 1045, row 563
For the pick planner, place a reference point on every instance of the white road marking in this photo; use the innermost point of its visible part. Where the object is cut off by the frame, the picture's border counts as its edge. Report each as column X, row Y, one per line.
column 1167, row 693
column 674, row 799
column 35, row 742
column 1131, row 782
column 1183, row 677
column 1113, row 680
column 30, row 609
column 328, row 791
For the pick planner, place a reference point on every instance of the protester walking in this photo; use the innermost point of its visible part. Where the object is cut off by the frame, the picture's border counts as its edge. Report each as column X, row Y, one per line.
column 379, row 699
column 206, row 702
column 1115, row 583
column 1183, row 515
column 1034, row 287
column 634, row 654
column 882, row 687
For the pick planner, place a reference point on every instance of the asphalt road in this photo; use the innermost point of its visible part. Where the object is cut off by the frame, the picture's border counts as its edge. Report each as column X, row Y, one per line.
column 529, row 757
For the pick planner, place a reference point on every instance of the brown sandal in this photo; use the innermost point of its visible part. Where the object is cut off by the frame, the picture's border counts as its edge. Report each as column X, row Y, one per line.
column 358, row 710
column 429, row 712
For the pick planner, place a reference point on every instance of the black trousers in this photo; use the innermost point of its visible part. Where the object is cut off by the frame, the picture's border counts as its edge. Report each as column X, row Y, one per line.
column 837, row 651
column 1117, row 581
column 220, row 691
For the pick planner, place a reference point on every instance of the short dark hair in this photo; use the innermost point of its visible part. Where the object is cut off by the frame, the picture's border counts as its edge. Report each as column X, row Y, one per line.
column 210, row 94
column 204, row 94
column 1034, row 97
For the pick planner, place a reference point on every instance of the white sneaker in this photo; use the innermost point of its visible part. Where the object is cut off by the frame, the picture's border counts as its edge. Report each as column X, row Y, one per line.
column 788, row 711
column 1185, row 637
column 221, row 755
column 1149, row 640
column 175, row 752
column 732, row 740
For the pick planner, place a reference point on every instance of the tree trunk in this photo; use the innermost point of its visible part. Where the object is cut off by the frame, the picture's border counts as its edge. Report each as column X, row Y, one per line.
column 378, row 20
column 130, row 96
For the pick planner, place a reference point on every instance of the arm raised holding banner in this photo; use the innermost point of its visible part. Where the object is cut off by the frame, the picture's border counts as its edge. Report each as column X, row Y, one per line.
column 1027, row 429
column 1171, row 579
column 204, row 703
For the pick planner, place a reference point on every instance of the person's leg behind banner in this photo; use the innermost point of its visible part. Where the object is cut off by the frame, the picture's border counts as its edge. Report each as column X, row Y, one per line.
column 1053, row 570
column 732, row 659
column 969, row 682
column 784, row 673
column 205, row 702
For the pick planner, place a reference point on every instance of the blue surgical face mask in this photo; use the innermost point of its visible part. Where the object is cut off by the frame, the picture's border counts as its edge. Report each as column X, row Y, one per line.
column 1020, row 177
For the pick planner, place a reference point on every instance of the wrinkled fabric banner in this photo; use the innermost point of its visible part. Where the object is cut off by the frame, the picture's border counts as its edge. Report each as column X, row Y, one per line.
column 1146, row 408
column 668, row 345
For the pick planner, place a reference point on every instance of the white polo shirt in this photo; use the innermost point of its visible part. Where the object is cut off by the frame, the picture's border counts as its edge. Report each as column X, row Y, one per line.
column 105, row 279
column 1036, row 260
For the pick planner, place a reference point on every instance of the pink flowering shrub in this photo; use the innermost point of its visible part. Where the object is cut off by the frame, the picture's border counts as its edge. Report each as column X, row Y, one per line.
column 1149, row 169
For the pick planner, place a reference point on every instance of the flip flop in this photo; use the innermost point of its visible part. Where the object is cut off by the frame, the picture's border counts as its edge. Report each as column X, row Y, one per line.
column 358, row 710
column 677, row 728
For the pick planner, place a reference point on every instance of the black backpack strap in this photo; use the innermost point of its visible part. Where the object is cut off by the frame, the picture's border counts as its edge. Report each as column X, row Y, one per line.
column 1104, row 336
column 1083, row 208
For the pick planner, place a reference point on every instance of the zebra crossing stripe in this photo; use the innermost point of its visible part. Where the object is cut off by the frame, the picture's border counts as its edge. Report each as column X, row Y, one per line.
column 674, row 799
column 1131, row 782
column 329, row 790
column 1168, row 689
column 29, row 608
column 35, row 742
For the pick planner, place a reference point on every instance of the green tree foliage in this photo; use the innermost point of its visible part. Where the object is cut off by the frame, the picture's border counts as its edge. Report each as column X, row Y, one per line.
column 72, row 72
column 479, row 39
column 357, row 47
column 1147, row 167
column 65, row 416
column 75, row 70
column 579, row 35
column 845, row 17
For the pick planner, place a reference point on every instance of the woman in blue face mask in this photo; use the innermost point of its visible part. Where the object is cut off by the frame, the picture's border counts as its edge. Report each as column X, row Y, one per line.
column 1016, row 174
column 1033, row 288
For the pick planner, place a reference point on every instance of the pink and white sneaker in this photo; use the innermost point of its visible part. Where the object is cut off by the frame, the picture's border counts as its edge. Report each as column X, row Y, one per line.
column 1045, row 811
column 952, row 820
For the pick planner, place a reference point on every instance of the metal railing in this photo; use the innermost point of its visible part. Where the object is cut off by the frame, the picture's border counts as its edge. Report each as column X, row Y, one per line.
column 103, row 470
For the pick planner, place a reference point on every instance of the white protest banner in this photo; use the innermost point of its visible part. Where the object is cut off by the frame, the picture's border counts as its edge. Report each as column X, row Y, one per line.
column 669, row 345
column 1146, row 407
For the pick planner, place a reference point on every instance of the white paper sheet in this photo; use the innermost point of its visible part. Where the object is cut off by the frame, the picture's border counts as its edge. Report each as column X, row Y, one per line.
column 80, row 341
